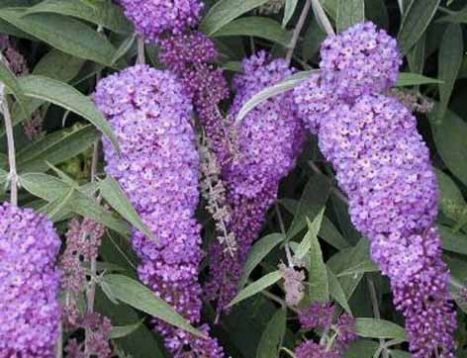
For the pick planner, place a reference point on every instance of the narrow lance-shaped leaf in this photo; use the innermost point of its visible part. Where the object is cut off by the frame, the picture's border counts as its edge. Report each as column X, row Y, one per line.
column 290, row 6
column 258, row 252
column 350, row 12
column 256, row 287
column 318, row 289
column 103, row 13
column 64, row 33
column 450, row 60
column 336, row 291
column 256, row 26
column 225, row 11
column 415, row 21
column 378, row 328
column 66, row 96
column 271, row 339
column 116, row 197
column 133, row 293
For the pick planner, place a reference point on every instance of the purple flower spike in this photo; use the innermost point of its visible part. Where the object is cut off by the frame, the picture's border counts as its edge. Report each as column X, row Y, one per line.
column 266, row 145
column 152, row 18
column 384, row 167
column 158, row 169
column 360, row 60
column 29, row 282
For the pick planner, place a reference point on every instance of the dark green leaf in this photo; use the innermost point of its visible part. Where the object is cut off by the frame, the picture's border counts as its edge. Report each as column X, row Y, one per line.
column 453, row 241
column 336, row 291
column 350, row 12
column 452, row 202
column 256, row 287
column 307, row 243
column 455, row 17
column 123, row 331
column 256, row 26
column 224, row 11
column 258, row 252
column 290, row 6
column 116, row 197
column 314, row 197
column 52, row 189
column 142, row 298
column 318, row 289
column 378, row 328
column 415, row 21
column 362, row 348
column 55, row 148
column 65, row 34
column 450, row 60
column 451, row 141
column 416, row 56
column 414, row 79
column 66, row 96
column 103, row 13
column 272, row 337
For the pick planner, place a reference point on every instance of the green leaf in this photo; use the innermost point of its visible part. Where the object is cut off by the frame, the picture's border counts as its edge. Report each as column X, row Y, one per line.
column 9, row 80
column 329, row 233
column 452, row 202
column 256, row 26
column 361, row 267
column 314, row 197
column 258, row 252
column 396, row 353
column 59, row 66
column 66, row 96
column 361, row 348
column 336, row 291
column 457, row 17
column 314, row 36
column 135, row 294
column 224, row 11
column 53, row 190
column 284, row 86
column 271, row 339
column 68, row 35
column 450, row 60
column 376, row 11
column 378, row 328
column 103, row 13
column 124, row 331
column 116, row 197
column 416, row 56
column 55, row 148
column 318, row 288
column 312, row 235
column 349, row 12
column 453, row 241
column 450, row 138
column 256, row 287
column 414, row 79
column 290, row 6
column 415, row 21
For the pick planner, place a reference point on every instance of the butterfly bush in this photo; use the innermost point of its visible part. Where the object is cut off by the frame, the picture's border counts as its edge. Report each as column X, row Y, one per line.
column 153, row 18
column 158, row 169
column 384, row 167
column 266, row 145
column 29, row 282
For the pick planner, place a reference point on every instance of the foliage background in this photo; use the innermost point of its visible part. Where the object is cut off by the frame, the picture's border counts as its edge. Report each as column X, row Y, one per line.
column 67, row 43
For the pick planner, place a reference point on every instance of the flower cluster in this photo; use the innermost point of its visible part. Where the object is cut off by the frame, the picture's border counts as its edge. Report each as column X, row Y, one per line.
column 158, row 169
column 29, row 282
column 360, row 60
column 266, row 145
column 153, row 18
column 190, row 56
column 320, row 315
column 384, row 167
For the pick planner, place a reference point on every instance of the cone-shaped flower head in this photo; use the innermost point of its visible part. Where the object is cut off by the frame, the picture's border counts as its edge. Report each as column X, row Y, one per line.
column 158, row 169
column 265, row 144
column 29, row 282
